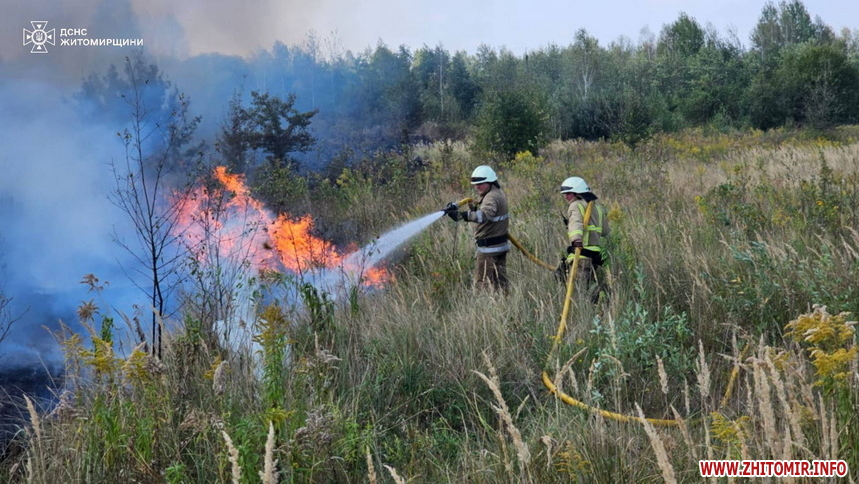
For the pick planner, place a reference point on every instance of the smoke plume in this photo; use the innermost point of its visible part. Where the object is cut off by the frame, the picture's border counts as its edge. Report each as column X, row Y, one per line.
column 55, row 219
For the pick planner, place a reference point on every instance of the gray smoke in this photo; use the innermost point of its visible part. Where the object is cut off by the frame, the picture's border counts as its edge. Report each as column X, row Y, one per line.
column 56, row 221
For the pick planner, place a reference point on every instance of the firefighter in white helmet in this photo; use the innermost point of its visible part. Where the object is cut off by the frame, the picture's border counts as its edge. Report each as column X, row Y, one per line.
column 490, row 216
column 589, row 239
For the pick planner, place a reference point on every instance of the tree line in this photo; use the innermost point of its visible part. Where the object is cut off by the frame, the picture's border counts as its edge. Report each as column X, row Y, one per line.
column 797, row 71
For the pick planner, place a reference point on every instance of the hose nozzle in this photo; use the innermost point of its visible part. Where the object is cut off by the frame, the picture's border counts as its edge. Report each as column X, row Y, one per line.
column 454, row 206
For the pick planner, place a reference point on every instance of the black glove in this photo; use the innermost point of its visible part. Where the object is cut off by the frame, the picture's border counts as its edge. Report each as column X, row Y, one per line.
column 456, row 216
column 452, row 211
column 572, row 247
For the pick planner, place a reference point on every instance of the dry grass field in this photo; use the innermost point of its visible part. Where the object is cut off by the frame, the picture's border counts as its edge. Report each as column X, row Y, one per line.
column 728, row 314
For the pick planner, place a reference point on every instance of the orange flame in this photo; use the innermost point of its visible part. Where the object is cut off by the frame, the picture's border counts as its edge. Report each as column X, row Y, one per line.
column 376, row 277
column 228, row 222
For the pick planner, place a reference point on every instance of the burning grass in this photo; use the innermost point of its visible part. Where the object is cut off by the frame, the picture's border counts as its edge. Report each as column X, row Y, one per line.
column 222, row 221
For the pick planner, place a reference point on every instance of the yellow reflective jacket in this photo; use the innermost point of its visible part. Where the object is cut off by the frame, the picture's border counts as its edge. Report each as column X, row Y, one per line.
column 598, row 226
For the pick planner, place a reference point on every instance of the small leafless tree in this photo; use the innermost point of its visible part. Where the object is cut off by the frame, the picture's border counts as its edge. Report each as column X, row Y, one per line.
column 7, row 320
column 147, row 180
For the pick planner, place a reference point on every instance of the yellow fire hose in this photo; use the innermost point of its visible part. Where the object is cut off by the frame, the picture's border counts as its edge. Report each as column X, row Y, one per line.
column 527, row 254
column 562, row 325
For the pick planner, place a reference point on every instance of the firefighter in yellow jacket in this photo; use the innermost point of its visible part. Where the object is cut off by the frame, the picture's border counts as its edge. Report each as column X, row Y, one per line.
column 588, row 239
column 490, row 216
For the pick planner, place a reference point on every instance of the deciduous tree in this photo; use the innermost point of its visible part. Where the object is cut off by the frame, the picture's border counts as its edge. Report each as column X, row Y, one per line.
column 511, row 121
column 146, row 182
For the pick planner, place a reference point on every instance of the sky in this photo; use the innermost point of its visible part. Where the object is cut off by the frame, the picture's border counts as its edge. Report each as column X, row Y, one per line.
column 231, row 27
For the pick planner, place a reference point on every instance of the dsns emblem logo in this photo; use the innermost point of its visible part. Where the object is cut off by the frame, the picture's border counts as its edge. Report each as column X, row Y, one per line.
column 39, row 37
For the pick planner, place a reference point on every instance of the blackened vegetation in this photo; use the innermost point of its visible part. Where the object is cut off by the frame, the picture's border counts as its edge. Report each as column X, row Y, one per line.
column 40, row 384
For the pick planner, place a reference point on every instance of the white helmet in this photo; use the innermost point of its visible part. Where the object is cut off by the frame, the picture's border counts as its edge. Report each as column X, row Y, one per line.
column 574, row 184
column 483, row 174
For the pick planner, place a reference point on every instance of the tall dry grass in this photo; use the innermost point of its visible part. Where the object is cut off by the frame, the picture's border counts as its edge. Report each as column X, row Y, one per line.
column 719, row 243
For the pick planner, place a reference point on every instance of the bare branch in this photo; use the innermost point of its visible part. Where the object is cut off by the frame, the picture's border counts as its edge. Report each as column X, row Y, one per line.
column 7, row 320
column 152, row 141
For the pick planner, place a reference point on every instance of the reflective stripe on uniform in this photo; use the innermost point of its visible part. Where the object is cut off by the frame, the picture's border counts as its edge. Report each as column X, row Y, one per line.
column 593, row 248
column 583, row 235
column 480, row 217
column 505, row 247
column 591, row 227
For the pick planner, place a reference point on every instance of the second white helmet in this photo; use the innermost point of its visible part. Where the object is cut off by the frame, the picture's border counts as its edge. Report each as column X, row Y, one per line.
column 574, row 184
column 483, row 174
